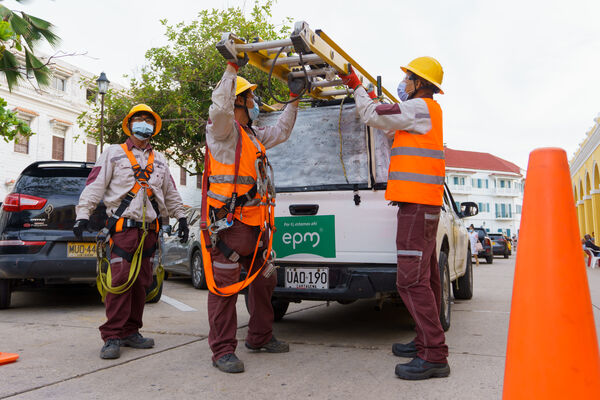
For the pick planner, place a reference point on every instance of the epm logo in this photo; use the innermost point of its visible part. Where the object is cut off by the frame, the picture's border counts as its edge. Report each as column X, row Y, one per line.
column 305, row 235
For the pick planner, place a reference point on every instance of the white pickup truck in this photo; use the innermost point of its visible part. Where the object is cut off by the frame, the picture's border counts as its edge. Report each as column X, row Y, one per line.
column 336, row 233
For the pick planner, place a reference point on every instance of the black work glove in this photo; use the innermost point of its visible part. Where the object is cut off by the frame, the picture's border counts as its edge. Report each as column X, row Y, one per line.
column 297, row 85
column 80, row 226
column 239, row 62
column 183, row 232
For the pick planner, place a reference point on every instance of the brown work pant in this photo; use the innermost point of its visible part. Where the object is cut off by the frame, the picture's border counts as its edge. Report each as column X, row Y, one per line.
column 222, row 316
column 418, row 279
column 124, row 311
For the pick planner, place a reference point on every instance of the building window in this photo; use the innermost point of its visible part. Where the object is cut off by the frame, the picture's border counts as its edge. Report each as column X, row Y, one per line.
column 58, row 148
column 182, row 176
column 486, row 184
column 507, row 232
column 501, row 183
column 518, row 209
column 456, row 180
column 91, row 152
column 59, row 84
column 21, row 144
column 508, row 183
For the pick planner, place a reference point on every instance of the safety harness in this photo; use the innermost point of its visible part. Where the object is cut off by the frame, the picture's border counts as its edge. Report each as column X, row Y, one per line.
column 116, row 223
column 222, row 218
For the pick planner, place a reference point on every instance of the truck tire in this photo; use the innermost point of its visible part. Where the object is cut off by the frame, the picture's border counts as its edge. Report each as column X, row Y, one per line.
column 197, row 271
column 5, row 292
column 280, row 307
column 489, row 259
column 462, row 288
column 445, row 308
column 156, row 298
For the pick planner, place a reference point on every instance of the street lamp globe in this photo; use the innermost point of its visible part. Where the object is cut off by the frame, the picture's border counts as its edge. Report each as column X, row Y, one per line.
column 102, row 82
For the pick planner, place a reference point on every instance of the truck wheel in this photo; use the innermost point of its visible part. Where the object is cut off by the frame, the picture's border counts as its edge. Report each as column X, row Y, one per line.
column 463, row 286
column 156, row 298
column 197, row 271
column 5, row 292
column 489, row 259
column 280, row 307
column 445, row 284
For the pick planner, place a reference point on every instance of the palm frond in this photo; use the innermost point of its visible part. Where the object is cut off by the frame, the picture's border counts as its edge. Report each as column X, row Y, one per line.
column 10, row 67
column 39, row 69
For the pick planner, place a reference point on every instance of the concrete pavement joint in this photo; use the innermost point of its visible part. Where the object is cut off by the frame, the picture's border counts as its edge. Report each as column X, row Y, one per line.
column 101, row 369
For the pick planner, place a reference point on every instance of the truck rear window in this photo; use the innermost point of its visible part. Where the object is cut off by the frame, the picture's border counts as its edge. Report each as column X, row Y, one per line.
column 310, row 158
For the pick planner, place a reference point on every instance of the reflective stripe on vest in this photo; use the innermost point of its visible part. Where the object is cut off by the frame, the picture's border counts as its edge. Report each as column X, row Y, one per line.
column 417, row 166
column 221, row 181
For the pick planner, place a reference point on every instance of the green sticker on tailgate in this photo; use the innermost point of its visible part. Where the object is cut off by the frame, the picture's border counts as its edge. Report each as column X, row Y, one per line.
column 313, row 234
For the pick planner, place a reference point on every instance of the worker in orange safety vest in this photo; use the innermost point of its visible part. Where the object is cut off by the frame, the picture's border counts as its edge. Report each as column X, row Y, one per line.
column 416, row 186
column 235, row 166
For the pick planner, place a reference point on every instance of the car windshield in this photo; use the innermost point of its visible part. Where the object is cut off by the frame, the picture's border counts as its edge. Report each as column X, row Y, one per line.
column 325, row 150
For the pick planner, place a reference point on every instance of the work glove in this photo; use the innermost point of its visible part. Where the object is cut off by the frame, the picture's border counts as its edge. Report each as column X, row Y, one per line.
column 297, row 85
column 371, row 91
column 238, row 62
column 351, row 80
column 183, row 232
column 80, row 226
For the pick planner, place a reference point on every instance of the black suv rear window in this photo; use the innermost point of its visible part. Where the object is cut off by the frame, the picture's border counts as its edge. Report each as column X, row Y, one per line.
column 50, row 181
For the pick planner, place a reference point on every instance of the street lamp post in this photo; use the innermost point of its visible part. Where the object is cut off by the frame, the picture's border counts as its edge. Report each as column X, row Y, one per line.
column 102, row 82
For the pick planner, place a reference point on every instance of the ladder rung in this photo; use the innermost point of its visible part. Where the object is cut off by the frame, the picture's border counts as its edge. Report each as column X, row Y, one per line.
column 268, row 45
column 294, row 60
column 337, row 82
column 314, row 72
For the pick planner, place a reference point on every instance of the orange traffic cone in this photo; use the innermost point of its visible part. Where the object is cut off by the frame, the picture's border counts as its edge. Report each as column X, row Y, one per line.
column 552, row 350
column 6, row 358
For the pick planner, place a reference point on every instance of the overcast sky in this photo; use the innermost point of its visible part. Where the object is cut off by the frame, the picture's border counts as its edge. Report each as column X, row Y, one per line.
column 518, row 74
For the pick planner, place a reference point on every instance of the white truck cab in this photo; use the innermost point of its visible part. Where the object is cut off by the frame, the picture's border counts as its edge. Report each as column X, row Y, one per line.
column 335, row 237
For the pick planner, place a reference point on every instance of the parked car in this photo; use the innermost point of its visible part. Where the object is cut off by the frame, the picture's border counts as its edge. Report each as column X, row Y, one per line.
column 335, row 237
column 499, row 244
column 486, row 242
column 185, row 258
column 37, row 244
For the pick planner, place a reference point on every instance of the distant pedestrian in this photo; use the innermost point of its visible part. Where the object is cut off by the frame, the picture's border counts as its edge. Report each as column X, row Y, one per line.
column 474, row 239
column 590, row 245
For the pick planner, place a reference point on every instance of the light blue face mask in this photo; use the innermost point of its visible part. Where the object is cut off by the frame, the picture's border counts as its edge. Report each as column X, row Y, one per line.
column 254, row 111
column 142, row 130
column 402, row 91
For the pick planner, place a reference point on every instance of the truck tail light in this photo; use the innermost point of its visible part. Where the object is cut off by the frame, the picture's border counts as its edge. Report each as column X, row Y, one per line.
column 16, row 202
column 18, row 242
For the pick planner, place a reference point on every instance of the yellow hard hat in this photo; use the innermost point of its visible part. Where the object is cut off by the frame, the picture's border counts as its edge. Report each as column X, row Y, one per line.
column 141, row 108
column 241, row 85
column 427, row 68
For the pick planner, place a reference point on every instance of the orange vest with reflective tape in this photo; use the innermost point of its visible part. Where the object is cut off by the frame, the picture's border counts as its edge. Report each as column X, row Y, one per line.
column 417, row 167
column 221, row 181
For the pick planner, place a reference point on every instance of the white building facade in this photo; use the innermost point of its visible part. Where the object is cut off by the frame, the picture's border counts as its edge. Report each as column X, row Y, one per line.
column 52, row 115
column 495, row 185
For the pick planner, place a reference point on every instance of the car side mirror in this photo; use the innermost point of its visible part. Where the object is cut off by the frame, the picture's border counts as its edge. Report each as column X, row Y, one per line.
column 468, row 209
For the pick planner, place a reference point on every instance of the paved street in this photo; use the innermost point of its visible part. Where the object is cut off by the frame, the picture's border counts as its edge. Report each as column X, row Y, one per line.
column 337, row 351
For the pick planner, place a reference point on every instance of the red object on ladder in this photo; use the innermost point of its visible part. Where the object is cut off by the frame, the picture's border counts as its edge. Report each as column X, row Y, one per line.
column 6, row 358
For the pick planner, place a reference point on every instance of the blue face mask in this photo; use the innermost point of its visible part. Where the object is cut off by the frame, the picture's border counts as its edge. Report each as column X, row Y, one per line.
column 402, row 91
column 142, row 130
column 254, row 111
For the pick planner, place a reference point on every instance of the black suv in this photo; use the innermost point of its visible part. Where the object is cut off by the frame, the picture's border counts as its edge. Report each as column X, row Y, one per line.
column 487, row 251
column 37, row 245
column 499, row 244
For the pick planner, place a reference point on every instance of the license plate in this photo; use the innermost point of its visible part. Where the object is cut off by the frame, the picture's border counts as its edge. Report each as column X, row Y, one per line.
column 81, row 249
column 307, row 278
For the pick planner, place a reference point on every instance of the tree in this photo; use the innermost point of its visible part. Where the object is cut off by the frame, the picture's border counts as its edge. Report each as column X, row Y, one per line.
column 20, row 33
column 178, row 79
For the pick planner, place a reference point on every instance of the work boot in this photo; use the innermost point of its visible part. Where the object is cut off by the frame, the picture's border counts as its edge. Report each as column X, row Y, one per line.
column 111, row 349
column 408, row 350
column 229, row 363
column 272, row 346
column 419, row 369
column 137, row 341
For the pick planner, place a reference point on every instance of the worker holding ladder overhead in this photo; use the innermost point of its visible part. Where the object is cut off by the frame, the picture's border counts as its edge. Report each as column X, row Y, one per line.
column 137, row 188
column 416, row 185
column 237, row 214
